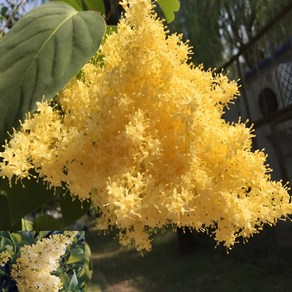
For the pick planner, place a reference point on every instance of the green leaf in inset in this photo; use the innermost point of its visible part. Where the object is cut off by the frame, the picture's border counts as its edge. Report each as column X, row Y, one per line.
column 8, row 247
column 72, row 210
column 5, row 239
column 88, row 265
column 169, row 7
column 76, row 255
column 73, row 282
column 23, row 200
column 47, row 222
column 16, row 237
column 40, row 54
column 64, row 278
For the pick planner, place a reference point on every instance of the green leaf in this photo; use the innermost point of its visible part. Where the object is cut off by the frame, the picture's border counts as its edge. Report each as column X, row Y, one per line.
column 88, row 265
column 72, row 210
column 8, row 247
column 82, row 271
column 5, row 240
column 47, row 222
column 27, row 225
column 169, row 7
column 17, row 238
column 40, row 54
column 73, row 282
column 76, row 255
column 23, row 200
column 64, row 278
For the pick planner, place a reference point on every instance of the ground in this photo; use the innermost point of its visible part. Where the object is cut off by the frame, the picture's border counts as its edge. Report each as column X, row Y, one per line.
column 263, row 264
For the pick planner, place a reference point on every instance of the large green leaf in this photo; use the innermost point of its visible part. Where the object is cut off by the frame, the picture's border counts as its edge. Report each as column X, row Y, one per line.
column 41, row 53
column 23, row 200
column 169, row 7
column 72, row 210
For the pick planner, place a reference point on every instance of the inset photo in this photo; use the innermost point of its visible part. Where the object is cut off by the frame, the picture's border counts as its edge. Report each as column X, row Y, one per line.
column 47, row 261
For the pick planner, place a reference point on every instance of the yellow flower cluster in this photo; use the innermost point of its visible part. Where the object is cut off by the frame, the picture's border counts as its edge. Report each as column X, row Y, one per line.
column 32, row 271
column 5, row 256
column 142, row 135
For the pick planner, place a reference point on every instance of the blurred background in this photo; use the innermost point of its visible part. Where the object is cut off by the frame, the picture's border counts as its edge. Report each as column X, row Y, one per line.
column 251, row 41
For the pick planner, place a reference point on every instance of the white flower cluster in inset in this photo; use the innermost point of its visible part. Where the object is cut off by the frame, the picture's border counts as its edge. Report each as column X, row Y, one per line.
column 32, row 271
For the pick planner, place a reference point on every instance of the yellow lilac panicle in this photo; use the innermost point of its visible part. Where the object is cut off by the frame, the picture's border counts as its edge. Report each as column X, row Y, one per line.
column 32, row 270
column 141, row 133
